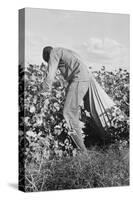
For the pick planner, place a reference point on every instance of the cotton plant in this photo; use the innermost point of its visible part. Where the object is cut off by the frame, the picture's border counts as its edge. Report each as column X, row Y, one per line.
column 46, row 103
column 46, row 131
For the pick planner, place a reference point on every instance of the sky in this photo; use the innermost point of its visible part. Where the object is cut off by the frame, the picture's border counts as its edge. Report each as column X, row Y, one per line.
column 99, row 38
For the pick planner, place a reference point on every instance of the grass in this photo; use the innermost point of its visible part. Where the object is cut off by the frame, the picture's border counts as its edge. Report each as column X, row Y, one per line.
column 100, row 168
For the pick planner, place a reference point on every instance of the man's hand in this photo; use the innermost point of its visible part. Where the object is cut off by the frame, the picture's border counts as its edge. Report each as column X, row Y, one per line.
column 46, row 87
column 46, row 90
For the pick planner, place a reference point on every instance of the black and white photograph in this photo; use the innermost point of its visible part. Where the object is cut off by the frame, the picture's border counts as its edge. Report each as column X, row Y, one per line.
column 74, row 71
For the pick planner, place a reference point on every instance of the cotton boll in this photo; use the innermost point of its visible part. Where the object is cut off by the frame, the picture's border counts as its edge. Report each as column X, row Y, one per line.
column 32, row 109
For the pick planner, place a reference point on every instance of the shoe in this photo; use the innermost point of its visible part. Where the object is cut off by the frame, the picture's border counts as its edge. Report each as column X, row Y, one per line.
column 78, row 140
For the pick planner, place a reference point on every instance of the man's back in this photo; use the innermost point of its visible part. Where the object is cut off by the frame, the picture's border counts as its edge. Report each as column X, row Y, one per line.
column 70, row 65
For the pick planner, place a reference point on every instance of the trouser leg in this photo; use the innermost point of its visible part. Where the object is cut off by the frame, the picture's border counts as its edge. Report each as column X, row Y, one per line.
column 71, row 111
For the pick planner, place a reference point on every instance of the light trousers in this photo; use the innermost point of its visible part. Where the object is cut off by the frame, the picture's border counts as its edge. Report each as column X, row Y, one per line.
column 74, row 96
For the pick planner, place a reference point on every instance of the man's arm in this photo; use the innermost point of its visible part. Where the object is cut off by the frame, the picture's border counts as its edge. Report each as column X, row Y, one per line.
column 52, row 68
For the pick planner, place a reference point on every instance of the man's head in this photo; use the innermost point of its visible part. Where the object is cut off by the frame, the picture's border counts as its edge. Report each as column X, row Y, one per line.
column 46, row 53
